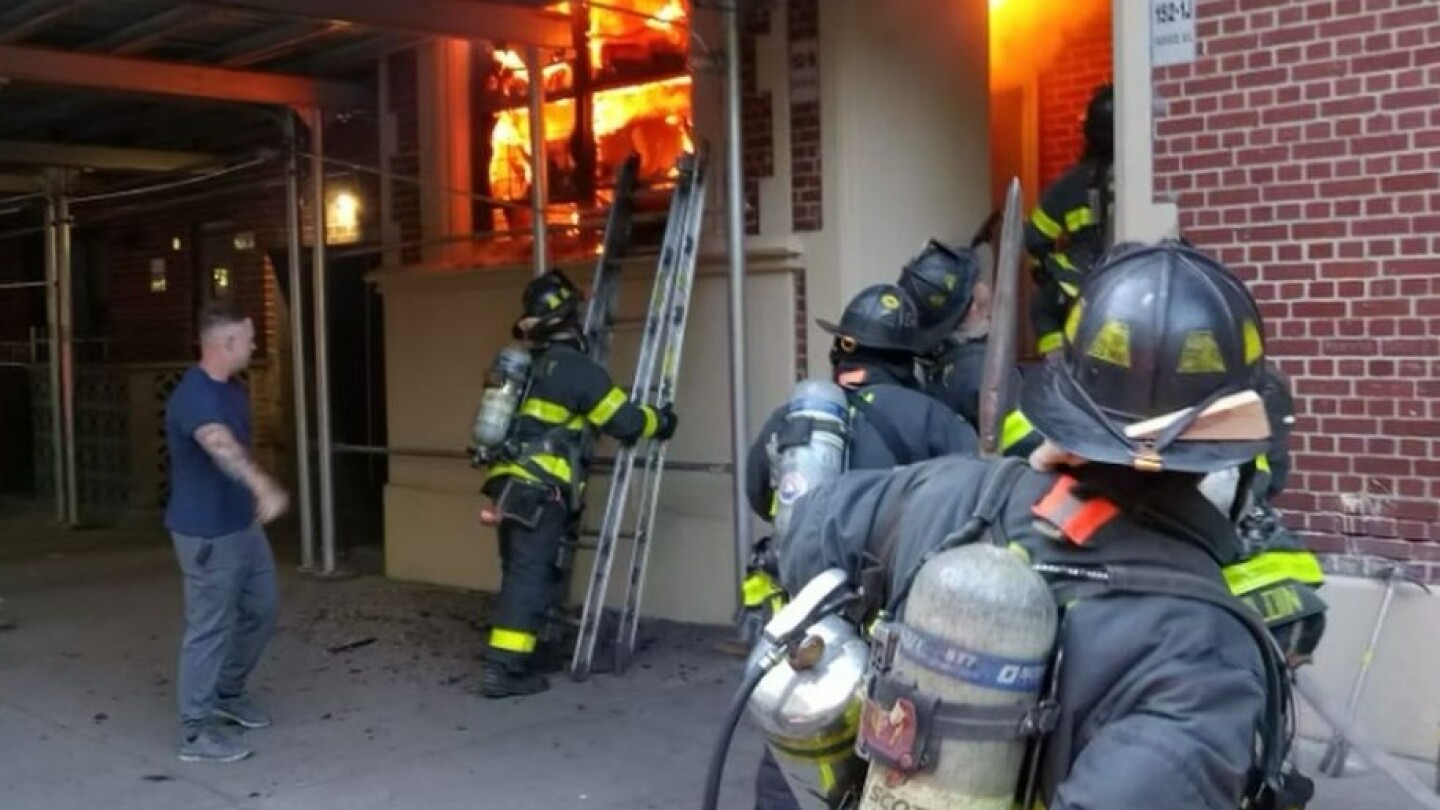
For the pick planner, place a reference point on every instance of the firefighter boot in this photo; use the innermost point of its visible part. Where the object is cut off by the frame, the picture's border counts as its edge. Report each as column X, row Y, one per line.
column 502, row 681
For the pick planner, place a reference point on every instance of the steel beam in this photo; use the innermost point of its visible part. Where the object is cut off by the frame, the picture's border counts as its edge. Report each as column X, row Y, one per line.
column 34, row 17
column 735, row 218
column 301, row 396
column 273, row 43
column 148, row 32
column 462, row 19
column 102, row 157
column 126, row 74
column 320, row 293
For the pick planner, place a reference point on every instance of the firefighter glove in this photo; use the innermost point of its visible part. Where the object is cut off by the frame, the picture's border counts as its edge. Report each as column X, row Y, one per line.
column 668, row 421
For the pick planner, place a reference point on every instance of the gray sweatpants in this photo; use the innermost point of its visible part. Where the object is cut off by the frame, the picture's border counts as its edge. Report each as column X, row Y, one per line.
column 230, row 604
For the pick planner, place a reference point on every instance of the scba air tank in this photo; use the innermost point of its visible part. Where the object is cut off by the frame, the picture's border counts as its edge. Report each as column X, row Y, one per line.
column 811, row 444
column 504, row 389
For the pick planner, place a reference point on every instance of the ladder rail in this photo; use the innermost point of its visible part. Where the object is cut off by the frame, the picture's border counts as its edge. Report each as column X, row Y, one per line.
column 617, row 498
column 647, row 512
column 600, row 309
column 599, row 318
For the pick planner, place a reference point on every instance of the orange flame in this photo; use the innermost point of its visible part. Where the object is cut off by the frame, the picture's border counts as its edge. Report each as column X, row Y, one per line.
column 1027, row 36
column 651, row 118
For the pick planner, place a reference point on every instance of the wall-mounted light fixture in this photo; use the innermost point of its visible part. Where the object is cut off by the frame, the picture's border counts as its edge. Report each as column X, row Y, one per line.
column 342, row 216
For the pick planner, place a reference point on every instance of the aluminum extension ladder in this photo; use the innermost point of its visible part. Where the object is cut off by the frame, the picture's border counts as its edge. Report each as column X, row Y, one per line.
column 598, row 327
column 656, row 372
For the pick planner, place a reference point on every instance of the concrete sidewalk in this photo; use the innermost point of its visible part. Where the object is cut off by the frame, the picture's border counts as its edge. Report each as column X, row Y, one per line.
column 87, row 716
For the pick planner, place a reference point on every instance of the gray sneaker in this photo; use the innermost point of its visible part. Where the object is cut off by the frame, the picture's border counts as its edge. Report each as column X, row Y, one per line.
column 241, row 712
column 214, row 745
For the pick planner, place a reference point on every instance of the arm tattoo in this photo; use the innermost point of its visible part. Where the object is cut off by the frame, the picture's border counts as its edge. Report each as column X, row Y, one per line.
column 226, row 452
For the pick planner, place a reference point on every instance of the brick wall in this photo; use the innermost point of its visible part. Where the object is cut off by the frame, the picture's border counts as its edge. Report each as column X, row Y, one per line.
column 149, row 326
column 404, row 70
column 1304, row 149
column 757, row 118
column 806, row 171
column 1082, row 63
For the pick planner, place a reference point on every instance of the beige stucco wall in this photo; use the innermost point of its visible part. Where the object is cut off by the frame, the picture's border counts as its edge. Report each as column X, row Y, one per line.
column 442, row 331
column 905, row 132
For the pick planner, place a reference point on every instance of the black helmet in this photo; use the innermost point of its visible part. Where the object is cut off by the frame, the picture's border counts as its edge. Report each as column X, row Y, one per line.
column 940, row 280
column 549, row 302
column 1099, row 126
column 1156, row 331
column 879, row 317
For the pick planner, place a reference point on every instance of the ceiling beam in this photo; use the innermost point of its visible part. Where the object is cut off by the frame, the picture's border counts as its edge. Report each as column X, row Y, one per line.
column 125, row 74
column 272, row 43
column 463, row 19
column 136, row 38
column 34, row 16
column 112, row 158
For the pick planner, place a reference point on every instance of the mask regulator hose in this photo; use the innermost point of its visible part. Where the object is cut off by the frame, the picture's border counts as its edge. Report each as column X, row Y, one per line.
column 753, row 676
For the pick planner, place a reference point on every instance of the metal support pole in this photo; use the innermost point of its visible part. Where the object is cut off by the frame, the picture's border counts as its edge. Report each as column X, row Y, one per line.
column 322, row 351
column 300, row 376
column 538, row 162
column 735, row 208
column 67, row 351
column 52, row 345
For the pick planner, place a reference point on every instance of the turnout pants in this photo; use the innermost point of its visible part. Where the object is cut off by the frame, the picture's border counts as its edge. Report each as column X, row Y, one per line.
column 531, row 578
column 231, row 599
column 772, row 792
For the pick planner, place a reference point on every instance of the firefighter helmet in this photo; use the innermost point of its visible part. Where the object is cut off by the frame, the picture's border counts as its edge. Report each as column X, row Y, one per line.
column 940, row 280
column 549, row 303
column 1099, row 128
column 880, row 317
column 1157, row 331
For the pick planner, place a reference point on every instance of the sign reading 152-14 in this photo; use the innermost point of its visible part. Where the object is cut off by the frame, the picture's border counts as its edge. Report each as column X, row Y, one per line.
column 1172, row 32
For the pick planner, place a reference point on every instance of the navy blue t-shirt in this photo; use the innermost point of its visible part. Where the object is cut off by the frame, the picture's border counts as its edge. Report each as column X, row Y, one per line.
column 204, row 502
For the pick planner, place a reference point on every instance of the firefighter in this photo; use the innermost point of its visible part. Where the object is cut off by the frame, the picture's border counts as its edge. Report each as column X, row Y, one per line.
column 1277, row 574
column 1161, row 698
column 953, row 307
column 538, row 492
column 892, row 423
column 1069, row 229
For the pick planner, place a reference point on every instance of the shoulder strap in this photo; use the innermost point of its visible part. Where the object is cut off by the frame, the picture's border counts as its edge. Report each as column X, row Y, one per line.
column 888, row 433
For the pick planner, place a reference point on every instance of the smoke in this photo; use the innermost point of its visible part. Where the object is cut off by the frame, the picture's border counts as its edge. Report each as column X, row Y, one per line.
column 1029, row 37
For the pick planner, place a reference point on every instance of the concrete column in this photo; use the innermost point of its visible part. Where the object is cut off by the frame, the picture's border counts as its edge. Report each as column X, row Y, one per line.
column 444, row 112
column 1137, row 215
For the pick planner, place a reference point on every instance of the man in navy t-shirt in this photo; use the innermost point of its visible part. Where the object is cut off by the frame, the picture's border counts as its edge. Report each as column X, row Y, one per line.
column 219, row 499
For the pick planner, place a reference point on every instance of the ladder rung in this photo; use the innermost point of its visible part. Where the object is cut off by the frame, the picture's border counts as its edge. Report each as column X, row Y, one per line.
column 595, row 535
column 563, row 618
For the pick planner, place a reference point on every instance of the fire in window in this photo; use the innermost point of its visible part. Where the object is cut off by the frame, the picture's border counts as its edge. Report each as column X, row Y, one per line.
column 624, row 88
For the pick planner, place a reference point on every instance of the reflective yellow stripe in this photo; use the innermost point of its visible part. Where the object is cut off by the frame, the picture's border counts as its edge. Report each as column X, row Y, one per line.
column 554, row 465
column 512, row 640
column 1050, row 341
column 1272, row 567
column 758, row 587
column 551, row 413
column 1071, row 289
column 1077, row 218
column 1262, row 463
column 652, row 421
column 607, row 408
column 1044, row 224
column 1015, row 429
